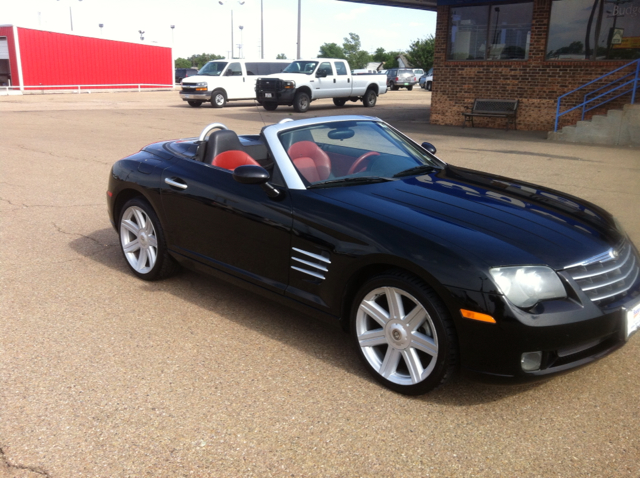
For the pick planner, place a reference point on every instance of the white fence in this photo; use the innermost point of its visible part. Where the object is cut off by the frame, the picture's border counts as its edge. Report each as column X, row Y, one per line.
column 9, row 90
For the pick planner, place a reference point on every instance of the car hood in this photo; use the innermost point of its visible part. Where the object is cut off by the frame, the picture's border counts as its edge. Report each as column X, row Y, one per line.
column 500, row 220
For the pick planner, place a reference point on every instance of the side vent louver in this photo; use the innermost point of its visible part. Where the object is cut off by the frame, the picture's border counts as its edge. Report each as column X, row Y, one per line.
column 309, row 263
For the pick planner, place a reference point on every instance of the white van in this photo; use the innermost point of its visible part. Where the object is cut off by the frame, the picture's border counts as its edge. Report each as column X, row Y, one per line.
column 220, row 81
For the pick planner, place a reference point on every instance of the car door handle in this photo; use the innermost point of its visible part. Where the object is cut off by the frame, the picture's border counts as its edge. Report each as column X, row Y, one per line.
column 334, row 80
column 175, row 184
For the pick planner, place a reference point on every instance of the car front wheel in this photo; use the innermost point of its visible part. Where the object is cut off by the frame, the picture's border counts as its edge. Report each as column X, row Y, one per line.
column 194, row 103
column 403, row 333
column 270, row 106
column 218, row 99
column 143, row 243
column 429, row 86
column 301, row 102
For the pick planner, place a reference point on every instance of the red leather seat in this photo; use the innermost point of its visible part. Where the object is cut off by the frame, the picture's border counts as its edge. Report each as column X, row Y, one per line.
column 311, row 161
column 232, row 159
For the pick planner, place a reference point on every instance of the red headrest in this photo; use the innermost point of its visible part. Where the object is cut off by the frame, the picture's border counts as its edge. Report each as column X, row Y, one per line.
column 232, row 159
column 310, row 160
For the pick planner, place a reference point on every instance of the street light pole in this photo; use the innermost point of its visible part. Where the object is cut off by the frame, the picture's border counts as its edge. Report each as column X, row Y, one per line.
column 299, row 17
column 241, row 43
column 71, row 16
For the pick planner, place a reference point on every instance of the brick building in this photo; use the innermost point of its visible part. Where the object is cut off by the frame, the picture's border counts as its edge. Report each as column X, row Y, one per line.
column 533, row 51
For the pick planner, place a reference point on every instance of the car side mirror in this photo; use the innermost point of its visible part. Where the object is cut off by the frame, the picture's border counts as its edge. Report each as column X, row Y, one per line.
column 321, row 74
column 250, row 174
column 429, row 147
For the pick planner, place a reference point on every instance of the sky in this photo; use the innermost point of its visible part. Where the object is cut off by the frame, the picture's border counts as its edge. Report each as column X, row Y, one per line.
column 204, row 26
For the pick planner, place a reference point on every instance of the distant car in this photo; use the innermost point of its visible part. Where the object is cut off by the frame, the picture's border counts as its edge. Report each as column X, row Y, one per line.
column 426, row 80
column 429, row 265
column 401, row 78
column 182, row 73
column 418, row 72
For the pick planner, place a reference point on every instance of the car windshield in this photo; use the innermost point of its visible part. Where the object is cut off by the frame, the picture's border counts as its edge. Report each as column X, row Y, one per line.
column 304, row 67
column 213, row 68
column 354, row 152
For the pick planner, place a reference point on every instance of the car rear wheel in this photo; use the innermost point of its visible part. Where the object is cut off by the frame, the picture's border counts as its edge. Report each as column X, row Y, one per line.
column 395, row 88
column 194, row 103
column 339, row 101
column 270, row 106
column 410, row 87
column 403, row 333
column 301, row 102
column 369, row 99
column 143, row 243
column 218, row 99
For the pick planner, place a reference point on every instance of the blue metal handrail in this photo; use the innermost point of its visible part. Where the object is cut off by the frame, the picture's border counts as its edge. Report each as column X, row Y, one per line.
column 634, row 80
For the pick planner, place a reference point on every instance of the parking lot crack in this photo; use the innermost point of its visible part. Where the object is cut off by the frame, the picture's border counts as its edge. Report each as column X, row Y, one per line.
column 4, row 462
column 62, row 231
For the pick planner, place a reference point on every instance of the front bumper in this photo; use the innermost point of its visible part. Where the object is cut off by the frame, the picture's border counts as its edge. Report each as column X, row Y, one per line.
column 272, row 90
column 192, row 95
column 569, row 335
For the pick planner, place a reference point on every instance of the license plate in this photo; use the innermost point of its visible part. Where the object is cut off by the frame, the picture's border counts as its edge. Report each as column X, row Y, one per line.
column 406, row 84
column 633, row 319
column 188, row 96
column 268, row 95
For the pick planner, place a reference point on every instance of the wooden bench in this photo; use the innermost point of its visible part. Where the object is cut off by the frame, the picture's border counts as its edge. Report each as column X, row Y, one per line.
column 492, row 109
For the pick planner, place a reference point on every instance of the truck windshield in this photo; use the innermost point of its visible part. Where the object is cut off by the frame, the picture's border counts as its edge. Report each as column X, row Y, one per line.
column 304, row 67
column 213, row 68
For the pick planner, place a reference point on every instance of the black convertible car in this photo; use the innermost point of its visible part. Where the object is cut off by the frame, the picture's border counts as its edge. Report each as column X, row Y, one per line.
column 429, row 266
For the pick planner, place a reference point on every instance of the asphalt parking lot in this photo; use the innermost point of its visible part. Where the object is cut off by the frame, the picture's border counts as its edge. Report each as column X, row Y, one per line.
column 104, row 375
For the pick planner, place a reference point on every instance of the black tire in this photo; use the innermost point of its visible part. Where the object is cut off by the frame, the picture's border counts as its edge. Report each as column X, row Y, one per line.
column 410, row 87
column 218, row 99
column 419, row 336
column 301, row 102
column 340, row 101
column 369, row 99
column 270, row 106
column 429, row 86
column 395, row 88
column 142, row 241
column 194, row 103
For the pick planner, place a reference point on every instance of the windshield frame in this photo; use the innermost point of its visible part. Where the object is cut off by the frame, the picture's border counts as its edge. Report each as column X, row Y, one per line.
column 304, row 64
column 292, row 176
column 202, row 72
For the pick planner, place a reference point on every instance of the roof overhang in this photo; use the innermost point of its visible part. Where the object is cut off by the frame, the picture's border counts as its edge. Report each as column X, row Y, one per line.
column 431, row 5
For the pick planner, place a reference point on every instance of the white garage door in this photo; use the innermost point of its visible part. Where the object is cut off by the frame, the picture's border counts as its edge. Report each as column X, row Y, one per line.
column 4, row 49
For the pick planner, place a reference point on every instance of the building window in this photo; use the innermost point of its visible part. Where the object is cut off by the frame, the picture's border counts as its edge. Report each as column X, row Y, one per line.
column 598, row 30
column 490, row 32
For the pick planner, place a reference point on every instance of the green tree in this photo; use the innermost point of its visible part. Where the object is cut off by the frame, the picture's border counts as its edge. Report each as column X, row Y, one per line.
column 281, row 56
column 356, row 57
column 182, row 63
column 199, row 60
column 390, row 58
column 420, row 53
column 331, row 50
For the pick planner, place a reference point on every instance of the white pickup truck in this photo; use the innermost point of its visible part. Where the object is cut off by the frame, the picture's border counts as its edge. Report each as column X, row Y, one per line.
column 304, row 81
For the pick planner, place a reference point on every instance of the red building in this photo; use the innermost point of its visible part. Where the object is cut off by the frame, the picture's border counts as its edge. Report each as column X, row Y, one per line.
column 35, row 59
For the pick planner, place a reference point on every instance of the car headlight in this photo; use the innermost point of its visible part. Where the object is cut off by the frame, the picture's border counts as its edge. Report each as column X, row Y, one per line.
column 525, row 286
column 289, row 84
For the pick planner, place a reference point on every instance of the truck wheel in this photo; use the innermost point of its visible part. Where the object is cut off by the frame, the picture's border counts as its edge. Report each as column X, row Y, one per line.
column 301, row 102
column 270, row 106
column 369, row 99
column 194, row 103
column 410, row 87
column 339, row 101
column 218, row 99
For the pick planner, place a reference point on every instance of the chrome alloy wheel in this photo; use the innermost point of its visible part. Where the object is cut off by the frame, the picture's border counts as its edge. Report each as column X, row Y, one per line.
column 139, row 240
column 396, row 335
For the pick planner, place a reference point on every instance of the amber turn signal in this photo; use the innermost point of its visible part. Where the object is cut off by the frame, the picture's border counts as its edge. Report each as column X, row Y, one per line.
column 477, row 316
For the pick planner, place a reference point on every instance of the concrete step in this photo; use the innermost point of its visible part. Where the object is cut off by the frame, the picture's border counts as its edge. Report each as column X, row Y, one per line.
column 617, row 127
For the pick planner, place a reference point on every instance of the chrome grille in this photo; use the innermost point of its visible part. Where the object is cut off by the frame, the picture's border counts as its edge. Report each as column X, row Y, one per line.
column 608, row 275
